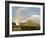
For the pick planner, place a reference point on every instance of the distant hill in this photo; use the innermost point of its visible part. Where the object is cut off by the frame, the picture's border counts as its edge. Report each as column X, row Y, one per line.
column 30, row 25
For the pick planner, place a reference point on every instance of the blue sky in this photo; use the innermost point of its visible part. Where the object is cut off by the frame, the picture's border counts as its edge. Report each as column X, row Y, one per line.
column 26, row 11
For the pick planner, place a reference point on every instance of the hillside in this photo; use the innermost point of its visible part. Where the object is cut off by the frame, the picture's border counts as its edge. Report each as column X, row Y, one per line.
column 29, row 25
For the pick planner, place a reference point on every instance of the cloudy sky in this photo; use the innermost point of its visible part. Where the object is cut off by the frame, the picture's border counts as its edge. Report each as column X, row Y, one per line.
column 26, row 12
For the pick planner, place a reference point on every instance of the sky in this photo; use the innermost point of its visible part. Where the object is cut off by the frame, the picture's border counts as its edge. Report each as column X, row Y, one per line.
column 26, row 12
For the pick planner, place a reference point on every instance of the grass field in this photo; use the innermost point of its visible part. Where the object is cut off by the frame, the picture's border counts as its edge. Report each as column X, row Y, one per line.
column 29, row 25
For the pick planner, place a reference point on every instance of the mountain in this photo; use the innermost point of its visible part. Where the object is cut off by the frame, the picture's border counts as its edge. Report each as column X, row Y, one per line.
column 30, row 25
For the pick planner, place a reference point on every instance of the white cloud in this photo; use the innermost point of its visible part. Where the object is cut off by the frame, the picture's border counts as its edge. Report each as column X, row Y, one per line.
column 13, row 19
column 22, row 21
column 18, row 12
column 35, row 18
column 22, row 9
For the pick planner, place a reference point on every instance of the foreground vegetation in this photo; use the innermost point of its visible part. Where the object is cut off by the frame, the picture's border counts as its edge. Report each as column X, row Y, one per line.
column 29, row 25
